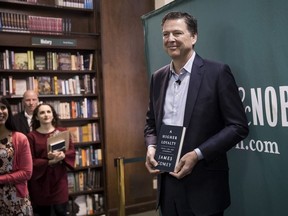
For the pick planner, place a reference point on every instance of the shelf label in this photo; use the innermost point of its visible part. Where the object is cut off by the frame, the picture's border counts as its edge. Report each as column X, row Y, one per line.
column 42, row 41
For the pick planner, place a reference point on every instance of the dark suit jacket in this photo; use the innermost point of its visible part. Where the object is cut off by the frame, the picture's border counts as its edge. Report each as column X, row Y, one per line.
column 215, row 121
column 21, row 123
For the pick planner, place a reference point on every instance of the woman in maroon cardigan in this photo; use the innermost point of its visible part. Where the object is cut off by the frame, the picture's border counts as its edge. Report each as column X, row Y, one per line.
column 15, row 166
column 48, row 186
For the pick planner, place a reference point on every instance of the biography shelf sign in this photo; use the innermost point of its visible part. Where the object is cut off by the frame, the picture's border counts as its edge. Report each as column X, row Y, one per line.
column 169, row 147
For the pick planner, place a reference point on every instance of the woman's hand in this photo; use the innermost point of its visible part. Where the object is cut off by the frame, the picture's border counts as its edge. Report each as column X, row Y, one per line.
column 55, row 157
column 50, row 155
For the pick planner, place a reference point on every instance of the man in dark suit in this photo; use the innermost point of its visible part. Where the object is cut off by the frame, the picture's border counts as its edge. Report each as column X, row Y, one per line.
column 202, row 96
column 22, row 119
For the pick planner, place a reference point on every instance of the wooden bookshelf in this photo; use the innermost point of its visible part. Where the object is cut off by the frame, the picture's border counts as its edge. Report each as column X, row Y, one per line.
column 81, row 40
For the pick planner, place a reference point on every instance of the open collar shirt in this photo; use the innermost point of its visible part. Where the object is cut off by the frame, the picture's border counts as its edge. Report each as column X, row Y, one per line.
column 176, row 94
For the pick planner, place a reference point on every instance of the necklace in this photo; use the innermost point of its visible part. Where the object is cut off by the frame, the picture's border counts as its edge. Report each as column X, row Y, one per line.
column 5, row 139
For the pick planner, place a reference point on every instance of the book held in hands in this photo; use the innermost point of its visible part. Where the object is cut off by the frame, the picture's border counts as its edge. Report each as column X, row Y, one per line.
column 169, row 146
column 58, row 146
column 58, row 142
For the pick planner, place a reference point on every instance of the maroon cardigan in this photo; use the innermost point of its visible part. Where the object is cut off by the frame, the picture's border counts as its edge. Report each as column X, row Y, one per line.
column 22, row 165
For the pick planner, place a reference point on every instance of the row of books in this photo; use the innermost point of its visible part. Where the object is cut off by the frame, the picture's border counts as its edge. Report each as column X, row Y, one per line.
column 46, row 85
column 88, row 4
column 72, row 110
column 29, row 60
column 85, row 108
column 84, row 180
column 85, row 133
column 29, row 1
column 91, row 204
column 18, row 22
column 88, row 156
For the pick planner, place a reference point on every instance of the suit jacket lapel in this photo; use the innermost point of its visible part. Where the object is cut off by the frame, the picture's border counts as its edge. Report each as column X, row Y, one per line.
column 25, row 123
column 163, row 87
column 194, row 86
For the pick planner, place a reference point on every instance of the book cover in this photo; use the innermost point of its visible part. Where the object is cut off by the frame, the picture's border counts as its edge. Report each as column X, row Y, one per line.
column 20, row 86
column 84, row 157
column 77, row 158
column 81, row 202
column 55, row 86
column 99, row 156
column 30, row 55
column 59, row 141
column 81, row 180
column 57, row 146
column 86, row 133
column 74, row 133
column 169, row 147
column 40, row 61
column 71, row 182
column 21, row 61
column 64, row 61
column 89, row 203
column 44, row 85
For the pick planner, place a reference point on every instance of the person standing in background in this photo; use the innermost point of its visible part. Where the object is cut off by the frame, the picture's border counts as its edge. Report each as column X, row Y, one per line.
column 202, row 96
column 15, row 166
column 23, row 119
column 48, row 186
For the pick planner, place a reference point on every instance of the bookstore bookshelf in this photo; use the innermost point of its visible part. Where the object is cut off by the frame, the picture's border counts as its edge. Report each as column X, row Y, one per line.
column 54, row 47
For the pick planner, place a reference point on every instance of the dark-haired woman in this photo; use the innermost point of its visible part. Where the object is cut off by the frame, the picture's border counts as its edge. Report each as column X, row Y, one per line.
column 15, row 166
column 48, row 186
